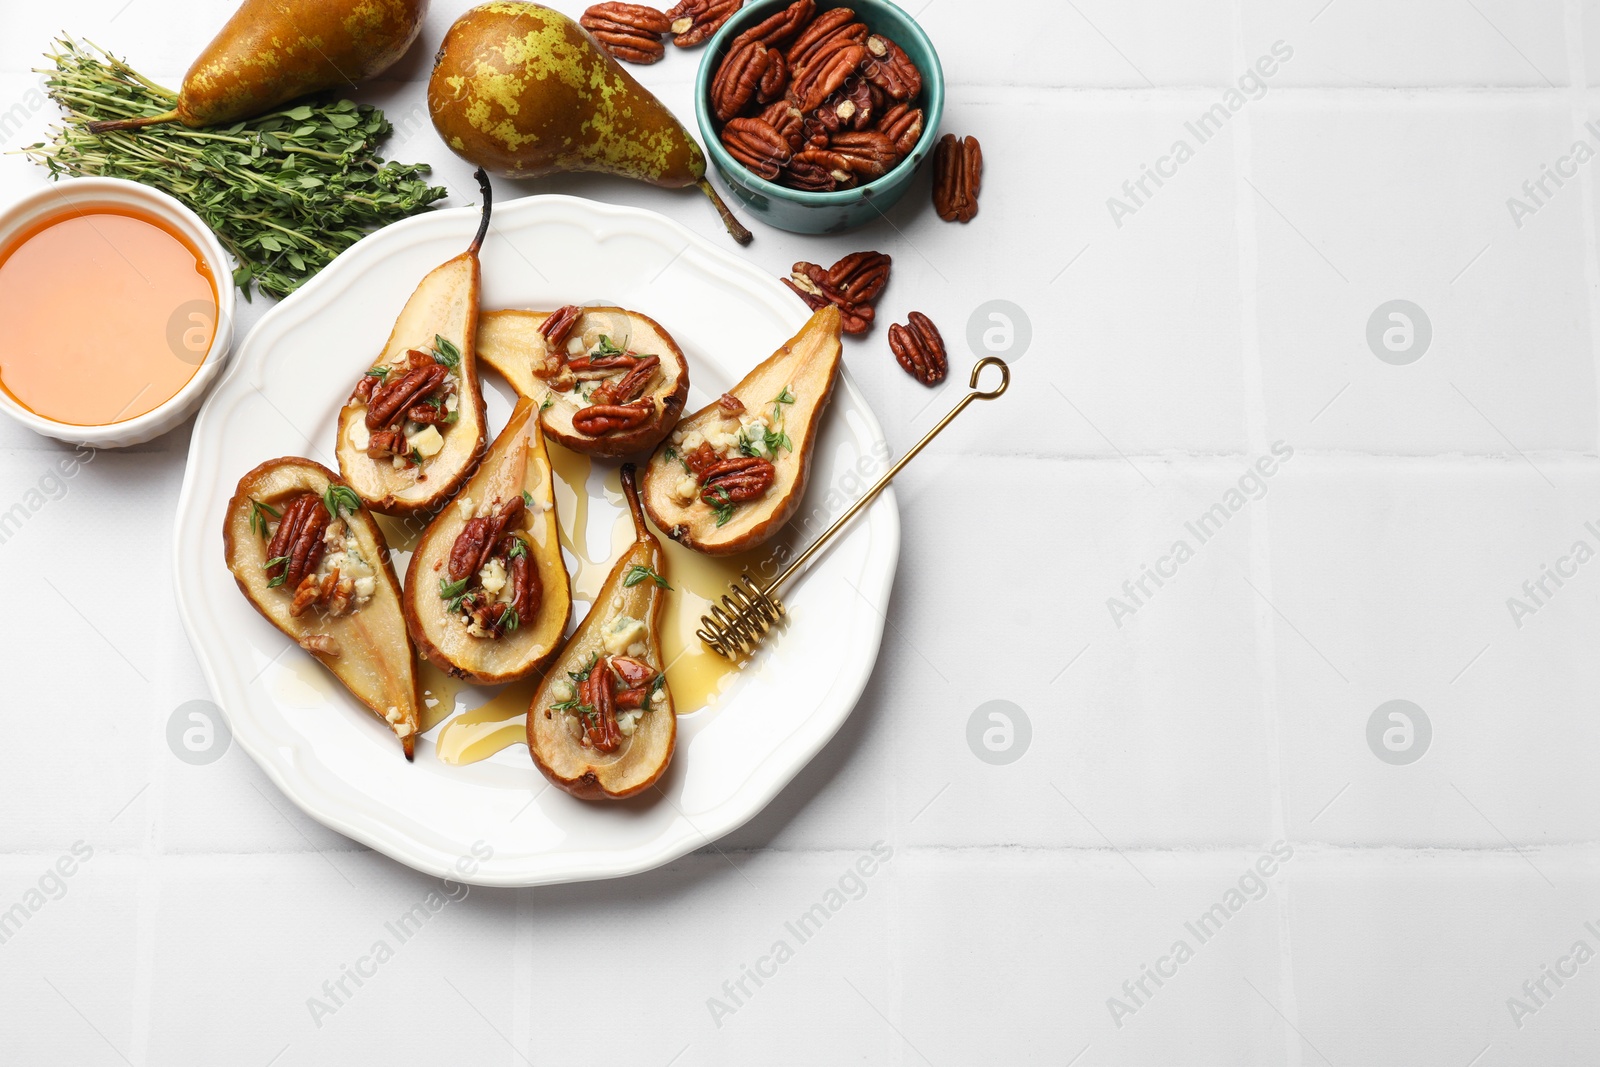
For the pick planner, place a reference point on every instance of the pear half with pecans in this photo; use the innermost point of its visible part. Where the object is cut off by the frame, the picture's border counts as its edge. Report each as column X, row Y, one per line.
column 314, row 563
column 609, row 382
column 733, row 473
column 414, row 425
column 602, row 724
column 487, row 596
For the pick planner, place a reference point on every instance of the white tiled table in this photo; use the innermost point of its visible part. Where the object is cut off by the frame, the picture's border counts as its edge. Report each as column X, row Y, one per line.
column 1227, row 712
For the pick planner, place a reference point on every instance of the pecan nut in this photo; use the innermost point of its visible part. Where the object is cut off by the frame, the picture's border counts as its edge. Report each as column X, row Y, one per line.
column 596, row 420
column 774, row 79
column 635, row 17
column 810, row 176
column 890, row 69
column 817, row 288
column 702, row 459
column 600, row 728
column 824, row 75
column 694, row 21
column 919, row 349
column 297, row 545
column 853, row 105
column 757, row 145
column 829, row 161
column 957, row 176
column 730, row 404
column 807, row 292
column 339, row 597
column 401, row 392
column 867, row 153
column 819, row 126
column 471, row 549
column 628, row 31
column 633, row 698
column 738, row 79
column 332, row 592
column 736, row 481
column 902, row 124
column 853, row 319
column 428, row 413
column 601, row 366
column 835, row 25
column 320, row 645
column 787, row 120
column 777, row 30
column 558, row 327
column 860, row 276
column 475, row 544
column 522, row 578
column 386, row 443
column 632, row 672
column 629, row 386
column 306, row 594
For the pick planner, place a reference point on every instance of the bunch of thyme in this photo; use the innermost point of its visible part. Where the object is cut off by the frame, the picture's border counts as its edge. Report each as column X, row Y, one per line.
column 285, row 191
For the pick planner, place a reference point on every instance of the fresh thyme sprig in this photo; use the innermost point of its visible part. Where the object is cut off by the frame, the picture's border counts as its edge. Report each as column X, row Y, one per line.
column 285, row 192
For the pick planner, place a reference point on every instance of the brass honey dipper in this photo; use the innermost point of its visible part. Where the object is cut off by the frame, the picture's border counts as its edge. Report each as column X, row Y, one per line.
column 739, row 624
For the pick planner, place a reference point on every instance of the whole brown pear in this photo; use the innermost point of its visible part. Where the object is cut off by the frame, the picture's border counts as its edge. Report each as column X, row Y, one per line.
column 272, row 51
column 524, row 91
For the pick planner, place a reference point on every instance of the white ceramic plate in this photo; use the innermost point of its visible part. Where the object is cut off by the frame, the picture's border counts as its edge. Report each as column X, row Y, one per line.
column 335, row 760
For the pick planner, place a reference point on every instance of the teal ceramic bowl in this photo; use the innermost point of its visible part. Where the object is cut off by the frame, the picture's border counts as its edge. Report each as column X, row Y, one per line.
column 796, row 210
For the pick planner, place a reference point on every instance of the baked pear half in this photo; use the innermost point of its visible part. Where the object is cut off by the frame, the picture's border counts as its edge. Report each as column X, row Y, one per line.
column 314, row 563
column 602, row 725
column 609, row 382
column 732, row 474
column 414, row 424
column 487, row 596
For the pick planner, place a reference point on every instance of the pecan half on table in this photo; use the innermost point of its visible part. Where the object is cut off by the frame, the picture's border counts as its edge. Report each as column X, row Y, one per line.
column 919, row 349
column 628, row 31
column 851, row 285
column 957, row 174
column 694, row 21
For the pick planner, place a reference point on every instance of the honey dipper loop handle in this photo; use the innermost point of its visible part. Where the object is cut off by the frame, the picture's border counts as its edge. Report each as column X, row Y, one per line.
column 877, row 487
column 1005, row 378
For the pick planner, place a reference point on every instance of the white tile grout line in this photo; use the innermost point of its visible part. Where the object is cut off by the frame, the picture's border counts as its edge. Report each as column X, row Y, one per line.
column 1578, row 81
column 1246, row 206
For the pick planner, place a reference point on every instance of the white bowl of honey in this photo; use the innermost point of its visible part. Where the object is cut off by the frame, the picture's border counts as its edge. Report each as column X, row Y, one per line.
column 119, row 311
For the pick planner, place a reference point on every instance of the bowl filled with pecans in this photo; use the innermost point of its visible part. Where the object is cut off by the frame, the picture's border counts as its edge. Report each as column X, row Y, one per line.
column 818, row 115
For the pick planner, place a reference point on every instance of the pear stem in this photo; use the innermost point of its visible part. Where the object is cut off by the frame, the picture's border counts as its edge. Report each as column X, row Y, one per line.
column 735, row 228
column 113, row 125
column 630, row 489
column 488, row 205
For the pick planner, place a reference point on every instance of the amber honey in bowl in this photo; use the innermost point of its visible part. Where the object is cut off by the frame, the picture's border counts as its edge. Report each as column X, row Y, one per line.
column 109, row 312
